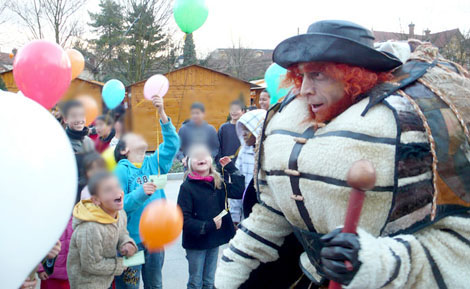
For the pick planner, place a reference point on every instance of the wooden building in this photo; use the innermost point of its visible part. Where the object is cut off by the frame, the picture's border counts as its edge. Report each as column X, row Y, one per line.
column 78, row 87
column 187, row 85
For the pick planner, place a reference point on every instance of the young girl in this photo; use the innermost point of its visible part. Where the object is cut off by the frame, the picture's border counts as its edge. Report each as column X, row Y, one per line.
column 92, row 163
column 203, row 197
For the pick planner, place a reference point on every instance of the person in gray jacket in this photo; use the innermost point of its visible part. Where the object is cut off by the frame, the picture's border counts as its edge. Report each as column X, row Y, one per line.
column 197, row 131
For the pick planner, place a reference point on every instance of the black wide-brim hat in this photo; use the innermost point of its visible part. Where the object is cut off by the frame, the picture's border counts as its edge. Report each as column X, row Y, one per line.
column 334, row 41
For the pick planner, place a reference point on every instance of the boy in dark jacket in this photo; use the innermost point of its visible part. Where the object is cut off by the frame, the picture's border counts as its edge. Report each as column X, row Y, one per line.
column 203, row 197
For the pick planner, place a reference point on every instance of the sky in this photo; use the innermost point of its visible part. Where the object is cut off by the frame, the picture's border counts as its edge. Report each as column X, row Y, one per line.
column 263, row 24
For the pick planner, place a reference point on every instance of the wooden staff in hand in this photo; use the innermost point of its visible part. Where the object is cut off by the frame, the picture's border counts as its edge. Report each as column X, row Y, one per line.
column 339, row 256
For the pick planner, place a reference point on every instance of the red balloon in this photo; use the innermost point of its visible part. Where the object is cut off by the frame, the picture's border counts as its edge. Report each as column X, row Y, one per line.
column 160, row 224
column 42, row 72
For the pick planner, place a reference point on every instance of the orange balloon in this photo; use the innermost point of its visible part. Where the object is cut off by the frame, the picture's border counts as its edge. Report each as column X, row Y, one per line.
column 11, row 55
column 77, row 61
column 91, row 108
column 160, row 224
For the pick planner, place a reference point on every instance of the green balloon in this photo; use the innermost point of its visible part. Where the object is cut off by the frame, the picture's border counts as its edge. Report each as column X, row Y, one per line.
column 190, row 14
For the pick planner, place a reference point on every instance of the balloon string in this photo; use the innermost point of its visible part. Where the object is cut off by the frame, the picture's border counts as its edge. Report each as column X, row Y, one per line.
column 158, row 141
column 139, row 103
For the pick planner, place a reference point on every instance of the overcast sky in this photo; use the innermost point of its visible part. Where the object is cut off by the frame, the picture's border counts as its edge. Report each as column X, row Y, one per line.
column 264, row 23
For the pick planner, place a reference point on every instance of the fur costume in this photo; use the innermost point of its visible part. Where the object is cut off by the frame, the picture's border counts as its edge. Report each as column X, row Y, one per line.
column 414, row 230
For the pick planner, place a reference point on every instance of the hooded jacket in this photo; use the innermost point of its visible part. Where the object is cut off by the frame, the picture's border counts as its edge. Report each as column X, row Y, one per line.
column 253, row 121
column 92, row 261
column 132, row 178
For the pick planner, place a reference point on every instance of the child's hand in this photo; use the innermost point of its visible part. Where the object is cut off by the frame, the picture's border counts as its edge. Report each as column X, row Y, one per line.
column 225, row 161
column 29, row 284
column 128, row 249
column 157, row 101
column 54, row 251
column 149, row 188
column 43, row 276
column 218, row 222
column 184, row 161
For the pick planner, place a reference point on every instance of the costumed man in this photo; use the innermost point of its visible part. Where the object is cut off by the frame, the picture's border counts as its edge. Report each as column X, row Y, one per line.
column 351, row 102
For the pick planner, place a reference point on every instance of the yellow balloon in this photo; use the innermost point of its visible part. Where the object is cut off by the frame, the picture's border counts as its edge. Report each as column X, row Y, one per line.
column 108, row 156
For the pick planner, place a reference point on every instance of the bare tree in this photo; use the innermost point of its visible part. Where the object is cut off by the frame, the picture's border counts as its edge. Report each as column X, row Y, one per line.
column 61, row 17
column 42, row 16
column 30, row 13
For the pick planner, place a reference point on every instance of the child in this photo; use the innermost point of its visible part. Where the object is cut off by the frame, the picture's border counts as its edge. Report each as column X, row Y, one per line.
column 119, row 129
column 74, row 118
column 203, row 199
column 99, row 231
column 133, row 170
column 91, row 164
column 59, row 278
column 249, row 127
column 228, row 140
column 104, row 129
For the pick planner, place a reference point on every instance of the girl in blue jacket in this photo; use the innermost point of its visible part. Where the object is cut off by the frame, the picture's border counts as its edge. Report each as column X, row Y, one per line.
column 133, row 170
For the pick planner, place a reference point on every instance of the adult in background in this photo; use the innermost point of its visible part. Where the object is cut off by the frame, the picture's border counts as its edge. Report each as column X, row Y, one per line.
column 228, row 140
column 264, row 99
column 197, row 131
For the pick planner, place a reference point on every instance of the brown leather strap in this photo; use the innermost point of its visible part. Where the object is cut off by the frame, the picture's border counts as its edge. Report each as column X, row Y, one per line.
column 294, row 179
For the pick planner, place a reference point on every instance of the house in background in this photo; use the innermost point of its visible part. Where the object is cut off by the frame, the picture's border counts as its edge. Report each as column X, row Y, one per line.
column 216, row 90
column 6, row 63
column 449, row 42
column 244, row 63
column 77, row 87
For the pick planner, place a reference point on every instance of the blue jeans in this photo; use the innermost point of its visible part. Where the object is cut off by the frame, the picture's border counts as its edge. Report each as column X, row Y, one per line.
column 151, row 272
column 202, row 265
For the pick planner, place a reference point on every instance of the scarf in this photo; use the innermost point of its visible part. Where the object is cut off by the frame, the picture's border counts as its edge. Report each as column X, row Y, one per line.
column 78, row 135
column 198, row 177
column 110, row 136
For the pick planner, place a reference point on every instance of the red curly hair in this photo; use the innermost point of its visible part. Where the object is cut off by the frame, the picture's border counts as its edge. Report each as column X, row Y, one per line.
column 356, row 81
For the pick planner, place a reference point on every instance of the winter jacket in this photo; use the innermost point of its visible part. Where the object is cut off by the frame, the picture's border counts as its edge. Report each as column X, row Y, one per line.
column 132, row 178
column 228, row 141
column 92, row 260
column 80, row 141
column 201, row 202
column 60, row 265
column 191, row 134
column 101, row 144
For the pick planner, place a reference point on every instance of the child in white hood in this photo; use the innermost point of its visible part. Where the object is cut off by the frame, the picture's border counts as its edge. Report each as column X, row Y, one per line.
column 249, row 127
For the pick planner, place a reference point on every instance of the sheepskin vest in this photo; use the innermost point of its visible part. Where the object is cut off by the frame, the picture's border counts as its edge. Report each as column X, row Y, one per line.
column 414, row 129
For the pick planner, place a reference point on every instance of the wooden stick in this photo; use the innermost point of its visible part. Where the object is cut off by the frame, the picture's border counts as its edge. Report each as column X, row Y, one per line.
column 361, row 177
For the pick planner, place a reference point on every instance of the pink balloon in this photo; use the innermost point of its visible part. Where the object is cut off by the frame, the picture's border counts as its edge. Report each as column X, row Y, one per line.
column 156, row 85
column 42, row 71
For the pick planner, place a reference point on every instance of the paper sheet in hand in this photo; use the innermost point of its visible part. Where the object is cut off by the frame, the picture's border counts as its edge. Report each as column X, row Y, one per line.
column 222, row 214
column 137, row 259
column 159, row 181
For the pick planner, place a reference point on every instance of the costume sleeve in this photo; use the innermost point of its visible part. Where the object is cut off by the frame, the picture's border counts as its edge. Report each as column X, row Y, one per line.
column 436, row 257
column 258, row 240
column 132, row 200
column 90, row 245
column 124, row 233
column 235, row 182
column 168, row 148
column 190, row 224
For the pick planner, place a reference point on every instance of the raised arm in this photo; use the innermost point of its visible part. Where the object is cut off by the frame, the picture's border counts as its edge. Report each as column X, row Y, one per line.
column 234, row 181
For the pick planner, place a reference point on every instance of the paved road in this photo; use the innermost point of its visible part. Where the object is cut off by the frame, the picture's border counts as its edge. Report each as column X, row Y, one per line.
column 175, row 269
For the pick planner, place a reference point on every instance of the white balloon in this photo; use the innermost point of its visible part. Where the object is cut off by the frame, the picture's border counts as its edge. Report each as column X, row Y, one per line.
column 38, row 183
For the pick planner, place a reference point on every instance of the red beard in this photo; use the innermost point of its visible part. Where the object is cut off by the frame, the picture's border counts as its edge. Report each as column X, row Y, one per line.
column 333, row 111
